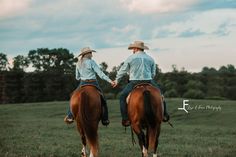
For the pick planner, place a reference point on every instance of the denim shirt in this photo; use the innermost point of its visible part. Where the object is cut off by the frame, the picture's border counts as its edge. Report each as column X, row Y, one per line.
column 139, row 66
column 88, row 69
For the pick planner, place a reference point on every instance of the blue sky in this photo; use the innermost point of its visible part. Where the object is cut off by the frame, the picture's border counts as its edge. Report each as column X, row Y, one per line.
column 188, row 33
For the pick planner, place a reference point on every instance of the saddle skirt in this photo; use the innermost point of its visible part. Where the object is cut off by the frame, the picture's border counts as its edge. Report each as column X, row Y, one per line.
column 140, row 85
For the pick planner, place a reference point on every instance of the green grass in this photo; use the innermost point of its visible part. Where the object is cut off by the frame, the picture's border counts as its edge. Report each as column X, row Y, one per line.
column 38, row 130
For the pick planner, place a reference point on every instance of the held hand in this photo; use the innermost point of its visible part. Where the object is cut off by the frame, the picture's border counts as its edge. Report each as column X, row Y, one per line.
column 114, row 84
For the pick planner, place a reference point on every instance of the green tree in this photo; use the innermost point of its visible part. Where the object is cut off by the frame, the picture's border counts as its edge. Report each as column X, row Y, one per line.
column 194, row 89
column 209, row 71
column 194, row 94
column 20, row 63
column 104, row 67
column 3, row 62
column 174, row 68
column 223, row 69
column 195, row 84
column 231, row 68
column 60, row 60
column 170, row 88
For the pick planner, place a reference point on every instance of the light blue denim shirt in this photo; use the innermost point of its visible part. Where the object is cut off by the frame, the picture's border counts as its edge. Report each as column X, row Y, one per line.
column 88, row 69
column 139, row 66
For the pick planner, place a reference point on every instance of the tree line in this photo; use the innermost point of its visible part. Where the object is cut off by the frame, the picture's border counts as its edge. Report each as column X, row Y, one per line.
column 53, row 79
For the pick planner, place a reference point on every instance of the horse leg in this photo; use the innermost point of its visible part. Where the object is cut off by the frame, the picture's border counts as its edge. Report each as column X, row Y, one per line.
column 93, row 150
column 83, row 139
column 142, row 141
column 83, row 151
column 156, row 140
column 94, row 146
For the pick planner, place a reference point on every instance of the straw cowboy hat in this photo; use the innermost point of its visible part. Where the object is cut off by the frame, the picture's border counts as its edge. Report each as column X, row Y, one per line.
column 85, row 50
column 138, row 44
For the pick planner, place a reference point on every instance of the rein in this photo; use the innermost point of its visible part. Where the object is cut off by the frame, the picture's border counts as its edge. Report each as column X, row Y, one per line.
column 132, row 134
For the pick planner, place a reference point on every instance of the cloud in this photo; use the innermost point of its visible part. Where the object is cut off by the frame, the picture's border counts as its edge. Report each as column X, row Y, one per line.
column 218, row 22
column 163, row 33
column 213, row 4
column 222, row 30
column 13, row 7
column 157, row 6
column 125, row 29
column 110, row 26
column 191, row 33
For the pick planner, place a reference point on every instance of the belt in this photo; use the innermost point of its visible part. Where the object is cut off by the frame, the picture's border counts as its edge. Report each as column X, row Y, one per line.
column 89, row 80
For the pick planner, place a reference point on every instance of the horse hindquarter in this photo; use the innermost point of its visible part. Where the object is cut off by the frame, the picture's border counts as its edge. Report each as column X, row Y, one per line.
column 87, row 115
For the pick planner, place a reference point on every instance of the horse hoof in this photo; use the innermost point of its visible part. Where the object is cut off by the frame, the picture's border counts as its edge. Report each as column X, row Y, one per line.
column 83, row 155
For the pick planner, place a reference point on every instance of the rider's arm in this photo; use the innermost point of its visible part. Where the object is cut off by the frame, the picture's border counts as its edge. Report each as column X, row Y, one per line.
column 99, row 72
column 123, row 70
column 154, row 67
column 77, row 74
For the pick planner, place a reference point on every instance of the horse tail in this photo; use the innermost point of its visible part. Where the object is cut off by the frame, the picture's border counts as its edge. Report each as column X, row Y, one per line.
column 88, row 127
column 148, row 109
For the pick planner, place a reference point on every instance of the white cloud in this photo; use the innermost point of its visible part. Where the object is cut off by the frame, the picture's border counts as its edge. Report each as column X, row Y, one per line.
column 157, row 6
column 199, row 51
column 208, row 22
column 125, row 29
column 13, row 7
column 111, row 26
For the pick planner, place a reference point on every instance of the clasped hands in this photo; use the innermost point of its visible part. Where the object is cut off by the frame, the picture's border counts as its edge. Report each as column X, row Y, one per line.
column 114, row 84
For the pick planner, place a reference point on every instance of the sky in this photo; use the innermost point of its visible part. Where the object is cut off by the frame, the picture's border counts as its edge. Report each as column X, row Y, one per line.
column 186, row 33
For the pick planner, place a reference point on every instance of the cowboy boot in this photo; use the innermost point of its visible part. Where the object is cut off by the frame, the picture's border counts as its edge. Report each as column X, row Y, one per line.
column 69, row 118
column 105, row 120
column 125, row 120
column 166, row 115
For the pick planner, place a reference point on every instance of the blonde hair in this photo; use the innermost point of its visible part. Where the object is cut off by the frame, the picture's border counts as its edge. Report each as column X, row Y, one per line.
column 80, row 61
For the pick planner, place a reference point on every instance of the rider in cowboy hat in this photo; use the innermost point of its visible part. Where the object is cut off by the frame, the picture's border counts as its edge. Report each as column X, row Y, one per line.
column 86, row 70
column 142, row 69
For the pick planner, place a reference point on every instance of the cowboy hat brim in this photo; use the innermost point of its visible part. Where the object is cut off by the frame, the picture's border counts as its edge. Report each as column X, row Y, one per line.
column 85, row 52
column 131, row 46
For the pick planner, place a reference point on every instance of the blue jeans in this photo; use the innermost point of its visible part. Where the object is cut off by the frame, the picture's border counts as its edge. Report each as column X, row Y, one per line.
column 125, row 92
column 82, row 83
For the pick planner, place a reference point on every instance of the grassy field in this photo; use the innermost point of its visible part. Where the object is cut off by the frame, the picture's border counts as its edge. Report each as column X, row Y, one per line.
column 38, row 130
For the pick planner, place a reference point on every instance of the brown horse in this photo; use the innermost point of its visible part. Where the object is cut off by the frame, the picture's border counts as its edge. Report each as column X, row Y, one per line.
column 145, row 111
column 86, row 107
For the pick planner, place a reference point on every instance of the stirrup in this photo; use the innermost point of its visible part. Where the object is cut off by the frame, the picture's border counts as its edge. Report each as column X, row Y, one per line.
column 166, row 118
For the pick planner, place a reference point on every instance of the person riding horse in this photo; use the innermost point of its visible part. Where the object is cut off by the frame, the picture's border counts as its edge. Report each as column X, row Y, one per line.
column 142, row 69
column 86, row 70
